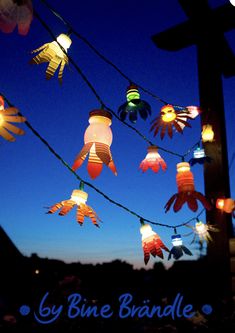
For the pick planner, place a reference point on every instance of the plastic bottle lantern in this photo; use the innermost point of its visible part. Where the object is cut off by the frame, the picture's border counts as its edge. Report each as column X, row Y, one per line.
column 186, row 190
column 8, row 116
column 53, row 53
column 226, row 205
column 151, row 243
column 79, row 199
column 98, row 138
column 207, row 133
column 170, row 118
column 134, row 105
column 178, row 248
column 232, row 2
column 153, row 160
column 16, row 12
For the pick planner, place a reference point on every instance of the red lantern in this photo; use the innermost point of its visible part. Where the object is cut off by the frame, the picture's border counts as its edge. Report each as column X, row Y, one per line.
column 78, row 198
column 16, row 12
column 153, row 161
column 151, row 243
column 186, row 191
column 98, row 138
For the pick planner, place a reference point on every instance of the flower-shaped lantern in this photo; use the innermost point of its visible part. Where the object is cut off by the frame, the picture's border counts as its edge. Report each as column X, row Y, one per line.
column 16, row 13
column 170, row 118
column 98, row 139
column 153, row 160
column 178, row 249
column 186, row 191
column 8, row 116
column 53, row 53
column 134, row 105
column 79, row 199
column 151, row 243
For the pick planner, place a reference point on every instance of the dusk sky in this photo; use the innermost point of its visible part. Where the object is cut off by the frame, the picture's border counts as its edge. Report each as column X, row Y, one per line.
column 32, row 178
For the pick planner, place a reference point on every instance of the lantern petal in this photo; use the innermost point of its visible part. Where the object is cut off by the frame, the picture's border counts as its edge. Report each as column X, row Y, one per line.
column 52, row 67
column 163, row 164
column 185, row 123
column 146, row 253
column 8, row 112
column 169, row 130
column 163, row 131
column 94, row 168
column 6, row 135
column 55, row 207
column 170, row 202
column 203, row 200
column 180, row 200
column 13, row 128
column 67, row 206
column 104, row 154
column 92, row 215
column 133, row 116
column 80, row 215
column 81, row 156
column 60, row 74
column 177, row 127
column 14, row 119
column 186, row 250
column 192, row 203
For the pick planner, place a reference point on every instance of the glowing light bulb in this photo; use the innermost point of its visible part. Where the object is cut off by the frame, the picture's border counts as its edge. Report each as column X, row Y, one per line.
column 232, row 2
column 207, row 133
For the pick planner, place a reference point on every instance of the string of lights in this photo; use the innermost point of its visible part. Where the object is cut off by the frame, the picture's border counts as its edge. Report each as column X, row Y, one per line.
column 133, row 213
column 102, row 103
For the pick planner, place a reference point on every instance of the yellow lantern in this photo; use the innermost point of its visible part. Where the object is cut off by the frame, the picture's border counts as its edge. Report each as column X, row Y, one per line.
column 52, row 53
column 226, row 205
column 207, row 133
column 8, row 116
column 98, row 139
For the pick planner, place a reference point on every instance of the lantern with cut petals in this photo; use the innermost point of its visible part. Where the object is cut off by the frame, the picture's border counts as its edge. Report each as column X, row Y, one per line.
column 98, row 138
column 226, row 205
column 186, row 191
column 134, row 105
column 199, row 157
column 169, row 119
column 79, row 199
column 202, row 230
column 153, row 160
column 53, row 53
column 178, row 249
column 16, row 12
column 8, row 116
column 151, row 243
column 207, row 133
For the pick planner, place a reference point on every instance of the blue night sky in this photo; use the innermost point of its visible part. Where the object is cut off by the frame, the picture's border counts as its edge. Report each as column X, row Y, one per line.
column 32, row 178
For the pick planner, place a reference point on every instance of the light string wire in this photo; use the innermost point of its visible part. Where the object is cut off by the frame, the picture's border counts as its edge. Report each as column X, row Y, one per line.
column 52, row 150
column 98, row 53
column 80, row 72
column 72, row 30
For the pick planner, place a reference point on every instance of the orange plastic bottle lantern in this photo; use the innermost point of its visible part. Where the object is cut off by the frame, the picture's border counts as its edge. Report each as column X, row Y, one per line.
column 53, row 53
column 79, row 199
column 207, row 133
column 153, row 160
column 8, row 116
column 16, row 12
column 170, row 119
column 151, row 243
column 98, row 139
column 226, row 205
column 186, row 191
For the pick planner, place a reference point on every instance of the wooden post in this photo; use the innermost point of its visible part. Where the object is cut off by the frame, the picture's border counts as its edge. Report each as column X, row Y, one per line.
column 205, row 29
